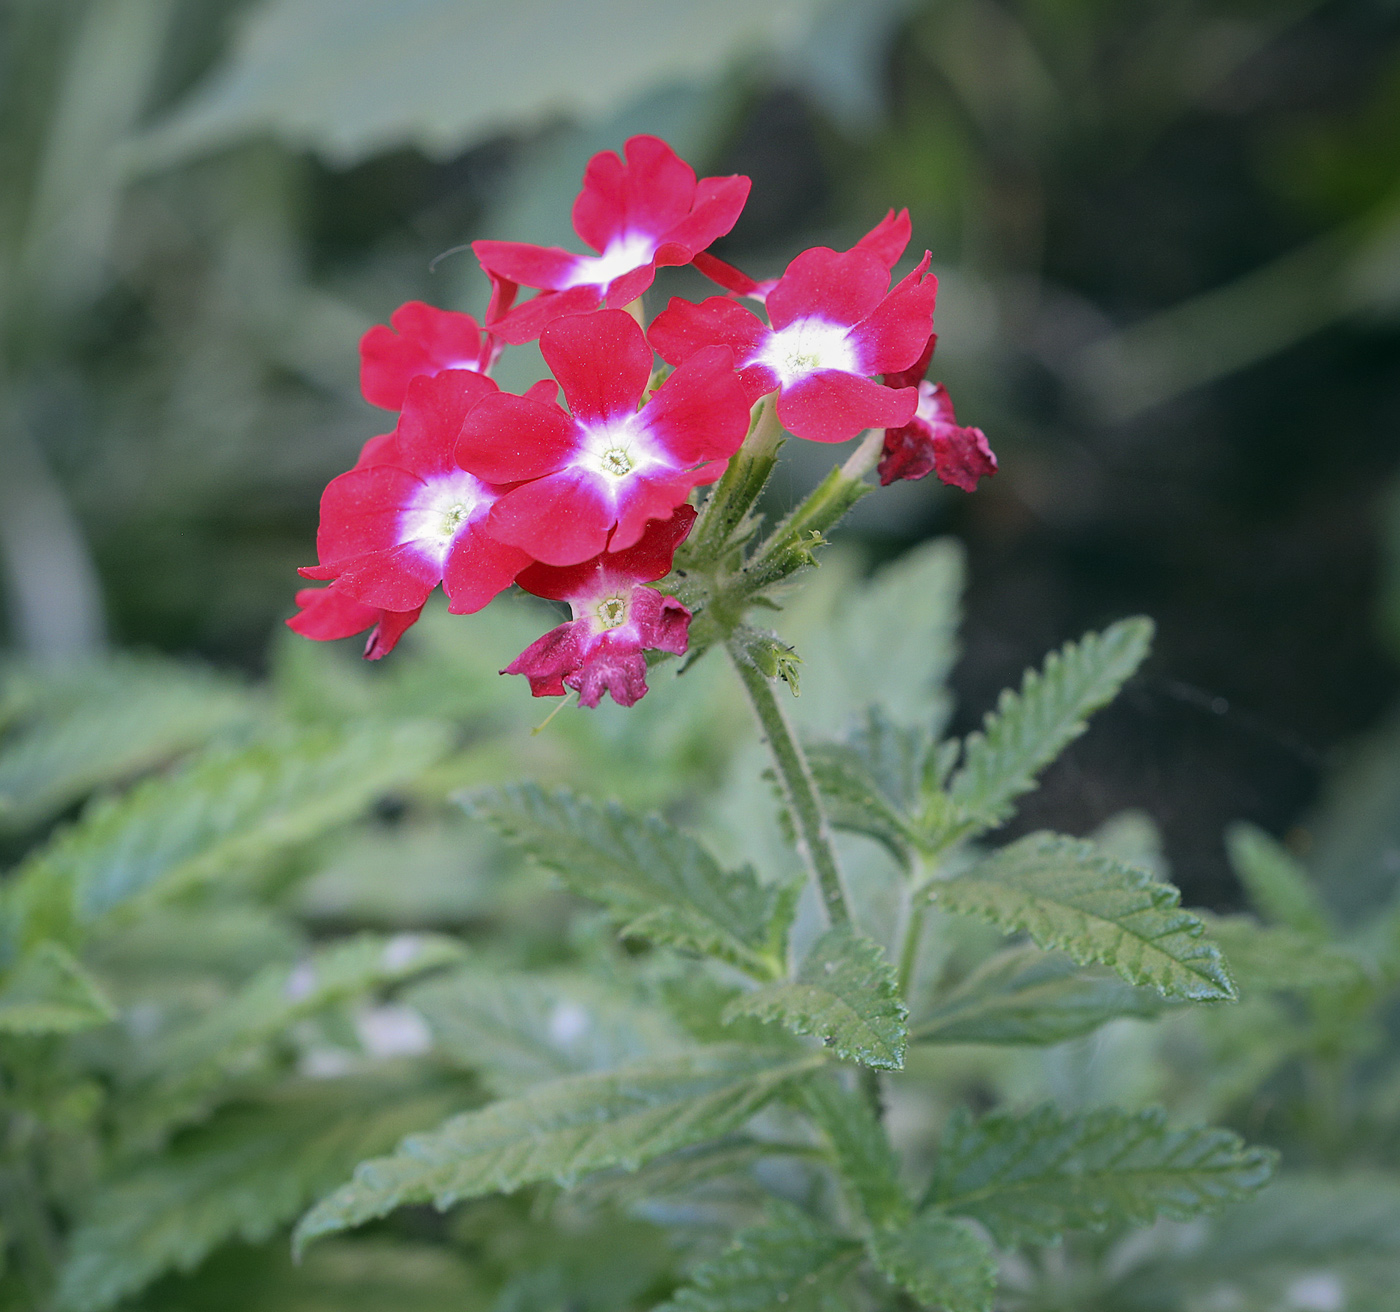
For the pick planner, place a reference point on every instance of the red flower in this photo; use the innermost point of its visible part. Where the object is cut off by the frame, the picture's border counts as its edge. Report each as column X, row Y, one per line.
column 594, row 478
column 328, row 613
column 423, row 341
column 406, row 517
column 886, row 241
column 638, row 216
column 834, row 323
column 615, row 619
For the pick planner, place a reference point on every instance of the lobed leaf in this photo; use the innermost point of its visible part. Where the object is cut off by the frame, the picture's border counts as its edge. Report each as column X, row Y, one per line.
column 222, row 811
column 1276, row 881
column 563, row 1130
column 845, row 992
column 1029, row 1178
column 1030, row 728
column 1025, row 996
column 48, row 992
column 519, row 1029
column 865, row 1160
column 243, row 1175
column 1067, row 894
column 940, row 1260
column 666, row 886
column 791, row 1260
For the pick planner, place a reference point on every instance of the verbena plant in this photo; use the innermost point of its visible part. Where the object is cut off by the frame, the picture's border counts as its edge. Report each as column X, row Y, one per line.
column 277, row 973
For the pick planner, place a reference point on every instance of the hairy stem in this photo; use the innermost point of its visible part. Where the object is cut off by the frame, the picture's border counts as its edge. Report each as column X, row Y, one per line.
column 913, row 937
column 813, row 834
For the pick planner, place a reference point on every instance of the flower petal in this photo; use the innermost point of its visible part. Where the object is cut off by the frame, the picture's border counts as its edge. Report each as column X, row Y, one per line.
column 525, row 322
column 887, row 240
column 602, row 362
column 613, row 668
column 914, row 375
column 422, row 340
column 831, row 406
column 718, row 204
column 647, row 560
column 561, row 519
column 546, row 267
column 546, row 660
column 360, row 512
column 840, row 287
column 701, row 412
column 479, row 568
column 662, row 622
column 433, row 411
column 681, row 329
column 897, row 332
column 505, row 439
column 397, row 578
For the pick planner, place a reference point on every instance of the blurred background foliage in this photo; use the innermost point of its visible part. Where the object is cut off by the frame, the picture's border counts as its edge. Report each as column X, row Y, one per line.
column 1168, row 233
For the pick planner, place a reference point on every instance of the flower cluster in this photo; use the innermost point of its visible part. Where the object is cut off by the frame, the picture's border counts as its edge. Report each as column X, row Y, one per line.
column 477, row 489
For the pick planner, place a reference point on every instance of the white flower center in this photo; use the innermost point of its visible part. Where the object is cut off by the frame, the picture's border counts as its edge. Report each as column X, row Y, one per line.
column 611, row 612
column 440, row 510
column 806, row 346
column 618, row 449
column 622, row 255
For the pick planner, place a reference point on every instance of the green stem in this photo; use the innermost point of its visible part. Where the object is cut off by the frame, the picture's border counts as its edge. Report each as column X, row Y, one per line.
column 813, row 835
column 734, row 495
column 913, row 937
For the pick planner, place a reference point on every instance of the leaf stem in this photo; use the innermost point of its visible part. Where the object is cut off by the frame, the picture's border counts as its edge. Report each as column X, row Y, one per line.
column 813, row 833
column 913, row 938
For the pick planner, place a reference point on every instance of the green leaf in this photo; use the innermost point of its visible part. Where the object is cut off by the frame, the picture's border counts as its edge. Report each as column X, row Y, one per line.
column 1277, row 883
column 865, row 1161
column 350, row 78
column 844, row 992
column 183, row 1066
column 48, row 992
column 791, row 1260
column 243, row 1175
column 1030, row 728
column 1029, row 1178
column 668, row 887
column 563, row 1130
column 1275, row 958
column 227, row 809
column 1025, row 996
column 104, row 724
column 521, row 1029
column 939, row 1260
column 1066, row 894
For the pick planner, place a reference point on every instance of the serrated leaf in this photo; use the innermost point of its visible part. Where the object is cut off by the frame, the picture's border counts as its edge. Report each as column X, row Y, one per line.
column 1031, row 727
column 244, row 1175
column 791, row 1260
column 845, row 993
column 1025, row 996
column 940, row 1260
column 563, row 1130
column 865, row 1160
column 520, row 1029
column 181, row 1067
column 48, row 992
column 661, row 880
column 227, row 809
column 103, row 724
column 1067, row 894
column 1276, row 958
column 1276, row 881
column 1029, row 1178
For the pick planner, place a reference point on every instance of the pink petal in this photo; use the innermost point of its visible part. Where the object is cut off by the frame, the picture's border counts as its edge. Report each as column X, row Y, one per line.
column 546, row 267
column 561, row 519
column 379, row 450
column 546, row 660
column 505, row 439
column 662, row 623
column 961, row 456
column 718, row 204
column 625, row 289
column 888, row 238
column 326, row 614
column 422, row 340
column 647, row 560
column 602, row 362
column 831, row 406
column 644, row 499
column 725, row 274
column 908, row 453
column 398, row 578
column 701, row 412
column 681, row 329
column 433, row 411
column 612, row 668
column 897, row 332
column 839, row 287
column 478, row 568
column 525, row 322
column 385, row 635
column 360, row 512
column 914, row 375
column 600, row 209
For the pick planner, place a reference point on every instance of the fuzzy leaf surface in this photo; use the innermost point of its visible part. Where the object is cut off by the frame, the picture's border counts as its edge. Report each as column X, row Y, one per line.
column 844, row 992
column 1278, row 885
column 243, row 1175
column 563, row 1130
column 1031, row 727
column 1065, row 893
column 519, row 1028
column 225, row 810
column 940, row 1260
column 664, row 883
column 790, row 1260
column 1025, row 996
column 49, row 992
column 865, row 1160
column 1029, row 1178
